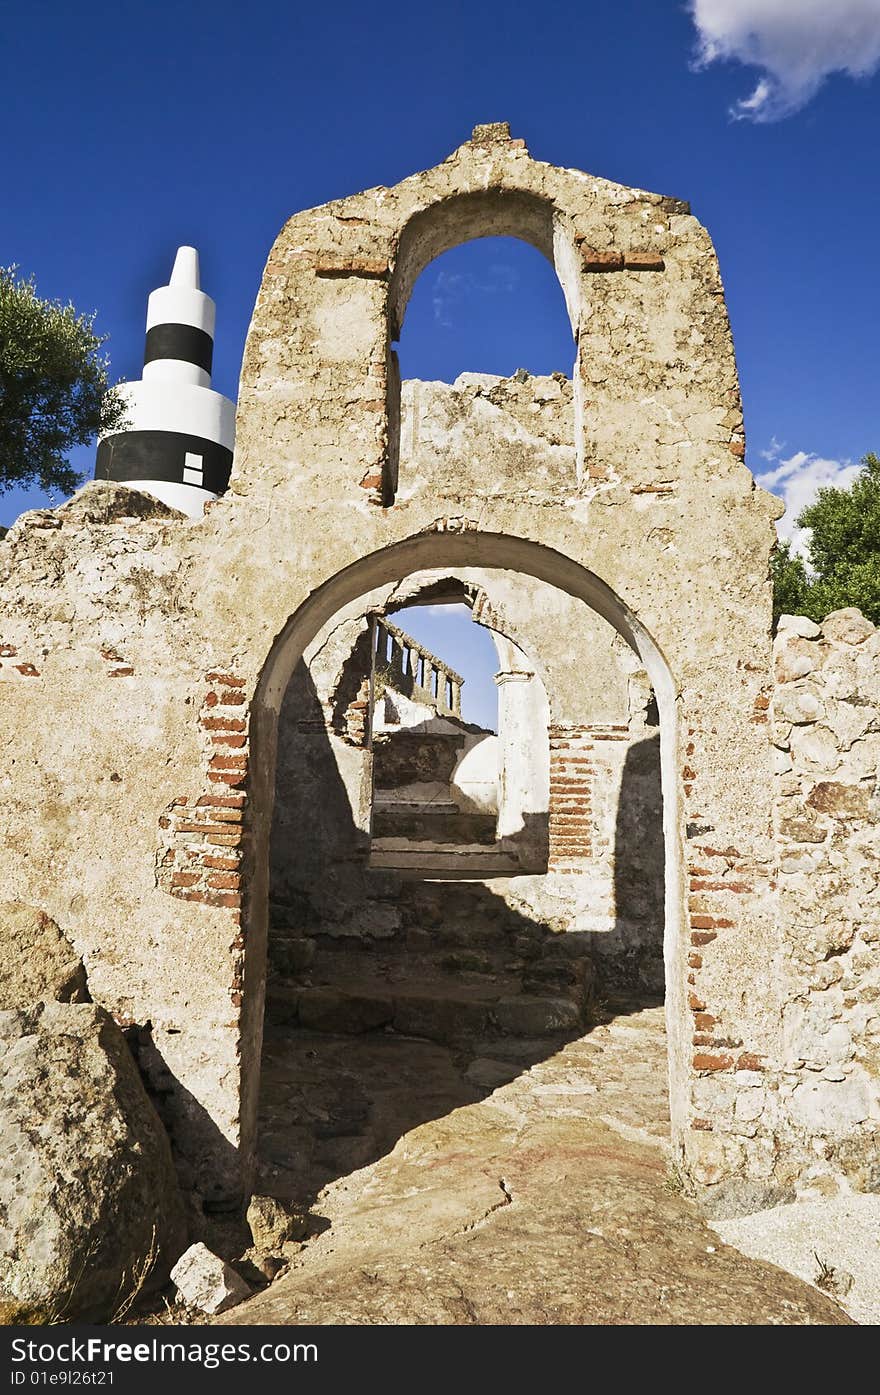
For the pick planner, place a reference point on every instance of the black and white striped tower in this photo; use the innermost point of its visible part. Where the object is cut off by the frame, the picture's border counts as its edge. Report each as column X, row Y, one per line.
column 179, row 433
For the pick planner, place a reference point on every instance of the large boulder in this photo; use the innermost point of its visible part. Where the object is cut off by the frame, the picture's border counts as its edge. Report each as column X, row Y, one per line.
column 36, row 959
column 90, row 1210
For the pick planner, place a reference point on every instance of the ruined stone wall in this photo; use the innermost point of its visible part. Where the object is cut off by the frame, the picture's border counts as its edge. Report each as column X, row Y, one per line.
column 826, row 734
column 486, row 432
column 656, row 525
column 808, row 1113
column 606, row 838
column 124, row 750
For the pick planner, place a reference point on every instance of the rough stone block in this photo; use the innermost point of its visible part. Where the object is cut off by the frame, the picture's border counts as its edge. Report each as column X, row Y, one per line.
column 272, row 1223
column 798, row 625
column 829, row 1108
column 799, row 706
column 204, row 1281
column 793, row 660
column 329, row 1010
column 801, row 827
column 88, row 1195
column 841, row 800
column 439, row 1019
column 847, row 626
column 815, row 747
column 528, row 1016
column 36, row 960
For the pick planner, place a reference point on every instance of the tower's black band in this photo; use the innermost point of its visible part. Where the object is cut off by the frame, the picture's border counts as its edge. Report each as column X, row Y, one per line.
column 160, row 455
column 180, row 341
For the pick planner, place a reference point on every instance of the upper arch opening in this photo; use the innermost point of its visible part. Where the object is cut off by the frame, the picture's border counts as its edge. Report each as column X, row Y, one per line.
column 462, row 218
column 450, row 223
column 490, row 306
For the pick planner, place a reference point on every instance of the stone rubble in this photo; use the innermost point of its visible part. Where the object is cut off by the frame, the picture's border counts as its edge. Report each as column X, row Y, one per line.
column 36, row 960
column 272, row 1223
column 206, row 1282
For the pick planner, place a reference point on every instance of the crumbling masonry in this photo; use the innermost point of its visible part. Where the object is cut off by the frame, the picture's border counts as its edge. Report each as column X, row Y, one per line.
column 612, row 525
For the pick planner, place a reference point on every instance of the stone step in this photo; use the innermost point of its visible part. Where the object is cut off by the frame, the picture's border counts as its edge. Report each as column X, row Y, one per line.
column 430, row 954
column 451, row 1015
column 388, row 965
column 425, row 929
column 443, row 826
column 395, row 804
column 450, row 861
column 425, row 986
column 409, row 757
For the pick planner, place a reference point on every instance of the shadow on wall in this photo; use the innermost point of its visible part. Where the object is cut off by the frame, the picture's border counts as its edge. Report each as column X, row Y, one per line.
column 209, row 1154
column 320, row 837
column 394, row 1000
column 531, row 842
column 630, row 957
column 355, row 671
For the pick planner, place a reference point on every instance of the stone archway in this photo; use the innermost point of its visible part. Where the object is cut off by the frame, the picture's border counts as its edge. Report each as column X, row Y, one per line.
column 633, row 473
column 437, row 550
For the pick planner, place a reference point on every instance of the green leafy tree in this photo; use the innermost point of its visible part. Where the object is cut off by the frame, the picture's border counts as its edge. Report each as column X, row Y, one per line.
column 843, row 552
column 54, row 389
column 791, row 584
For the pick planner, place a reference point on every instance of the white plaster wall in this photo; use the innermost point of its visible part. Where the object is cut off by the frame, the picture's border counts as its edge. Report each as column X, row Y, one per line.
column 523, row 717
column 474, row 784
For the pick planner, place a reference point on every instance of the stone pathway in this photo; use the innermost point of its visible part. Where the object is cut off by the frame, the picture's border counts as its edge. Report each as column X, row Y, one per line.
column 546, row 1198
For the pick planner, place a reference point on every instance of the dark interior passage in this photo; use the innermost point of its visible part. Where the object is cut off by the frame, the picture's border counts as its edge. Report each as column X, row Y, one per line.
column 368, row 1036
column 396, row 997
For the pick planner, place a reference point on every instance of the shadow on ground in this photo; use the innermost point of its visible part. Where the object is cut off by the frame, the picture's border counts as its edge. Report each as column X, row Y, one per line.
column 372, row 1037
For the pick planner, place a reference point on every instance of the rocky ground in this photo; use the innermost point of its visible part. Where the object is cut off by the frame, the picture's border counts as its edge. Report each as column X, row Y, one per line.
column 830, row 1240
column 546, row 1200
column 453, row 1130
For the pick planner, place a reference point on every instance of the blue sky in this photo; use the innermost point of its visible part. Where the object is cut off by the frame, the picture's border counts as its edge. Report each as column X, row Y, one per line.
column 450, row 633
column 129, row 130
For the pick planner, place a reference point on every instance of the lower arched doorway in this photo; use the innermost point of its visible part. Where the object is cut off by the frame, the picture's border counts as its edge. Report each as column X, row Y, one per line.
column 480, row 978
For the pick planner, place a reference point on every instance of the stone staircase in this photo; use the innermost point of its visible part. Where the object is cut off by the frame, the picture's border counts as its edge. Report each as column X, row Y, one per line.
column 463, row 966
column 368, row 1036
column 433, row 823
column 437, row 840
column 456, row 860
column 418, row 828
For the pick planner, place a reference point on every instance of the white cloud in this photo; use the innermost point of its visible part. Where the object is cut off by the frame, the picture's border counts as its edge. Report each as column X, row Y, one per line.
column 796, row 44
column 797, row 481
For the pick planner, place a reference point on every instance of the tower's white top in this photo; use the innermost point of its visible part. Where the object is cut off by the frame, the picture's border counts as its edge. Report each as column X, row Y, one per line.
column 174, row 400
column 181, row 302
column 186, row 268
